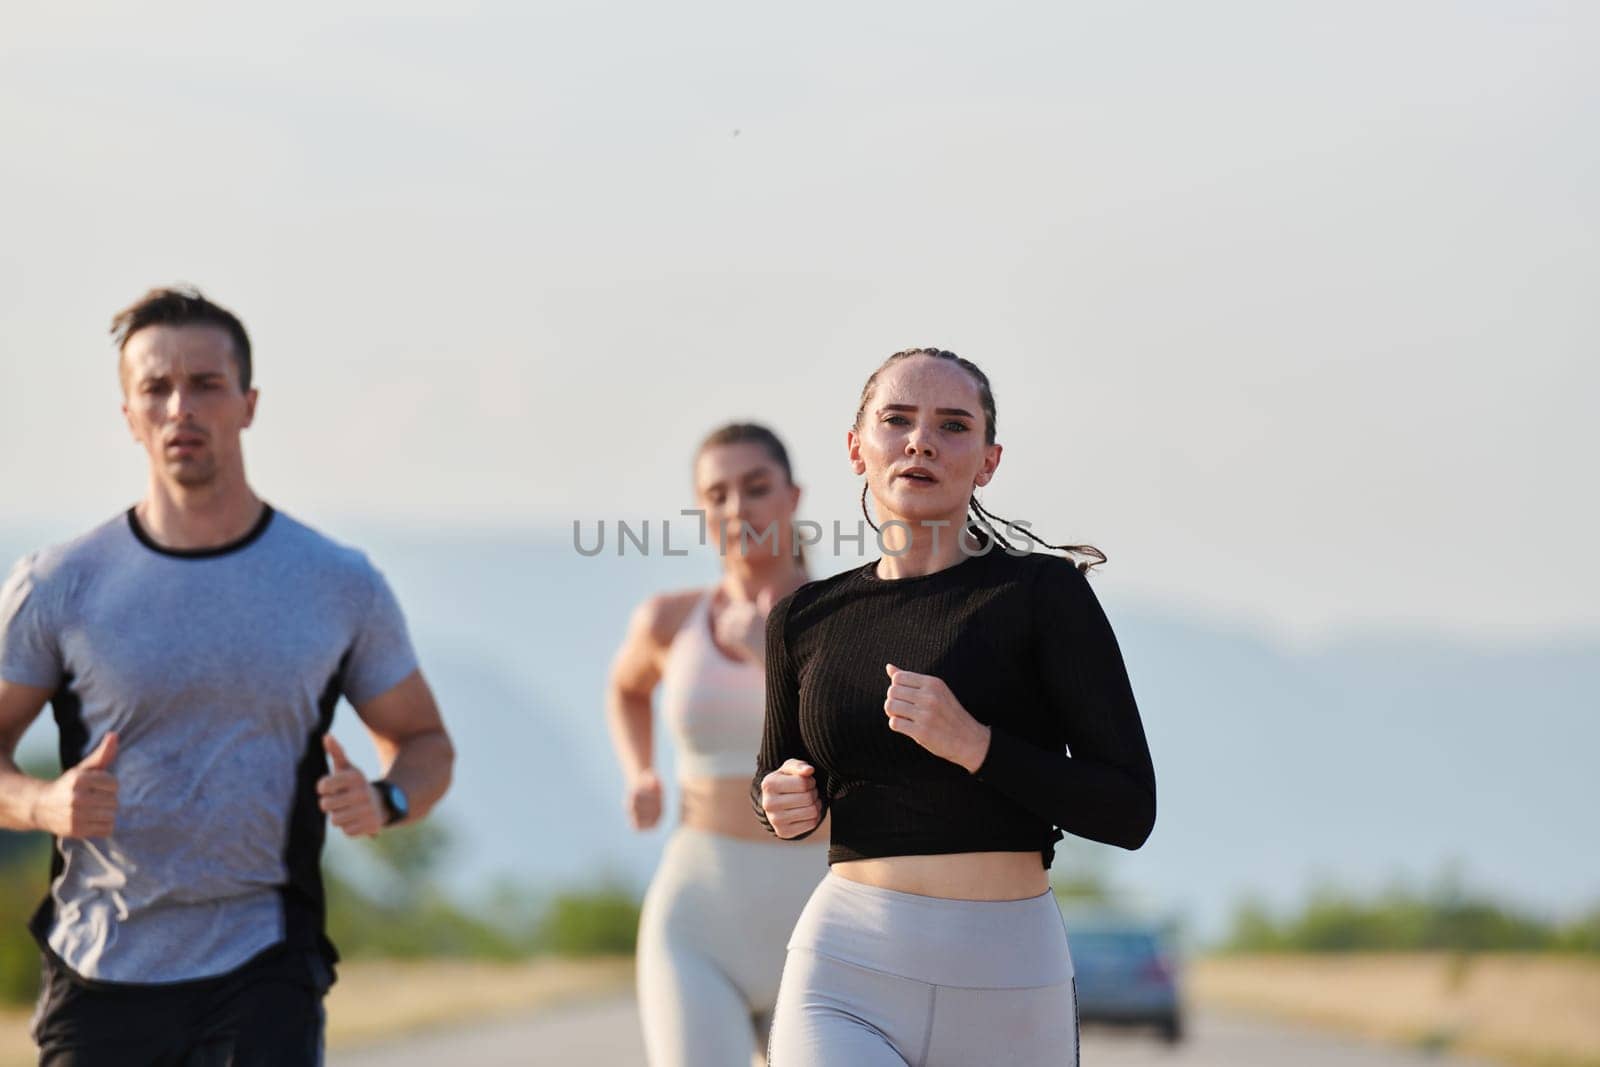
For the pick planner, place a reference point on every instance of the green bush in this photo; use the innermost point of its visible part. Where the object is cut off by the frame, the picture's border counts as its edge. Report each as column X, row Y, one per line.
column 601, row 921
column 425, row 925
column 414, row 919
column 1582, row 935
column 411, row 919
column 24, row 879
column 1446, row 918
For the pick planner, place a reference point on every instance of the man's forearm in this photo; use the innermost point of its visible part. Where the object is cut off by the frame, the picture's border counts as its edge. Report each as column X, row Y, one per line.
column 422, row 767
column 19, row 796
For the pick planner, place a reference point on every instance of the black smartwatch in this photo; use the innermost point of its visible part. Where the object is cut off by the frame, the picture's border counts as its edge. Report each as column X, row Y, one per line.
column 395, row 805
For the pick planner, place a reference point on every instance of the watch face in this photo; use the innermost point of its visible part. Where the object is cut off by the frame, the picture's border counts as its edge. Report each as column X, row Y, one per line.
column 394, row 798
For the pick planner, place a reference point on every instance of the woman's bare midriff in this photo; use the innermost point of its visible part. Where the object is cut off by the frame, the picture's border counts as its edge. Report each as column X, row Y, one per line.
column 722, row 806
column 956, row 876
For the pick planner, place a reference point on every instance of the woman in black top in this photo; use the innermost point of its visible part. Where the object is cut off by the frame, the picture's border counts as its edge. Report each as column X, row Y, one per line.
column 929, row 700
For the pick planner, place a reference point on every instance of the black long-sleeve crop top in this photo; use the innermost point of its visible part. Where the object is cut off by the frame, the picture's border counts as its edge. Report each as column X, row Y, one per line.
column 1022, row 643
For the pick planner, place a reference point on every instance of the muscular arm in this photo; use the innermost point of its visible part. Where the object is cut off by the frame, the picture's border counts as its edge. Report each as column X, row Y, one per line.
column 82, row 802
column 413, row 747
column 635, row 673
column 19, row 792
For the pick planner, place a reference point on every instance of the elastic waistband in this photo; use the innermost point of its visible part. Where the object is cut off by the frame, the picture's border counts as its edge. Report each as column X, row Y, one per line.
column 975, row 944
column 740, row 865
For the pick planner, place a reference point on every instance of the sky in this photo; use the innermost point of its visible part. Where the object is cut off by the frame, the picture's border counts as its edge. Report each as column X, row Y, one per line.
column 1288, row 309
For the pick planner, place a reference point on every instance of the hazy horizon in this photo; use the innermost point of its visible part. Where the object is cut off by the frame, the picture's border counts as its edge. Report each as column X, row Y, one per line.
column 1372, row 757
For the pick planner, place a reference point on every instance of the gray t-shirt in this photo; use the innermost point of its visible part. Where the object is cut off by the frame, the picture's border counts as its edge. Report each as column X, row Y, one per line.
column 219, row 669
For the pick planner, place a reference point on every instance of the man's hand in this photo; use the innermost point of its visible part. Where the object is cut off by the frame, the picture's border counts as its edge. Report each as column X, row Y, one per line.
column 83, row 801
column 350, row 801
column 922, row 707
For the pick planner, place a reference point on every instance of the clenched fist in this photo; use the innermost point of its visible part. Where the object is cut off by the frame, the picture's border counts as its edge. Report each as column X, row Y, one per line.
column 350, row 801
column 922, row 707
column 83, row 801
column 644, row 800
column 789, row 798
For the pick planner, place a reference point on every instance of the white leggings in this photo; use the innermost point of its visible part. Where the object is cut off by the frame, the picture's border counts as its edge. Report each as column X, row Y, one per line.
column 878, row 978
column 712, row 933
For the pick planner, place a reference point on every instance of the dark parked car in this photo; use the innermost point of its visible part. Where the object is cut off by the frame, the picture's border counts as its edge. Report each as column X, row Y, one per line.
column 1127, row 973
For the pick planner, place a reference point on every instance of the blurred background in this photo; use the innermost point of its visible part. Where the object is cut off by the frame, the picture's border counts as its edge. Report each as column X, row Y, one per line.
column 1284, row 309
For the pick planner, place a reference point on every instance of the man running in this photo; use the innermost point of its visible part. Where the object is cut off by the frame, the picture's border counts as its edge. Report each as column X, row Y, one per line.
column 193, row 650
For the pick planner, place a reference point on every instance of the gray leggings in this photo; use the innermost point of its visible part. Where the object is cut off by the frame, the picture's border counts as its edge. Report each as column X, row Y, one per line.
column 876, row 977
column 711, row 939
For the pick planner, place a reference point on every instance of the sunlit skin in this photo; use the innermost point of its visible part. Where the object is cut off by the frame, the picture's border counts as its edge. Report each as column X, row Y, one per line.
column 740, row 487
column 921, row 446
column 924, row 417
column 184, row 404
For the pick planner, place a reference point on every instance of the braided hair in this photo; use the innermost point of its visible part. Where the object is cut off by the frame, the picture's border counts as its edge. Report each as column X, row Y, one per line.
column 981, row 522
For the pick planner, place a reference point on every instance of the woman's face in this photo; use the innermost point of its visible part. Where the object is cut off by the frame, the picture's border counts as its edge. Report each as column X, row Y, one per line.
column 921, row 442
column 742, row 486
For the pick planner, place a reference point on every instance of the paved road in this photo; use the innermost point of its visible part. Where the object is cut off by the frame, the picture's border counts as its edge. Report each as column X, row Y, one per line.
column 607, row 1033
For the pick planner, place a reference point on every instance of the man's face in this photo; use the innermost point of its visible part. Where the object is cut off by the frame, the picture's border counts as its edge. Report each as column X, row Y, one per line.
column 181, row 396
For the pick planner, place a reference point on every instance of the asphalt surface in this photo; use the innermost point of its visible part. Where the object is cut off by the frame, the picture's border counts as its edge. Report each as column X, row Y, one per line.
column 606, row 1033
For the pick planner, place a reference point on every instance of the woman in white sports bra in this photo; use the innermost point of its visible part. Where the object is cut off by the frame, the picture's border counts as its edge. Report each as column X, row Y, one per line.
column 719, row 911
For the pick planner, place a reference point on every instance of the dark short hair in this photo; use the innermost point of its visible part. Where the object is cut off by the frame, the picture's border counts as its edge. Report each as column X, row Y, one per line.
column 183, row 306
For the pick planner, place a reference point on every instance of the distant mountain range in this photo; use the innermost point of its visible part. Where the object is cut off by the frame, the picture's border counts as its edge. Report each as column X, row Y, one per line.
column 1385, row 754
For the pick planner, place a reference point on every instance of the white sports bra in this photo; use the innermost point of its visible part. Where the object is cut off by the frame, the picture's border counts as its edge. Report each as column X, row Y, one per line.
column 713, row 705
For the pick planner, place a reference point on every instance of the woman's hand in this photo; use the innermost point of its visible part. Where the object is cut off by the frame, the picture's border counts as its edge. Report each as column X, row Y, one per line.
column 789, row 798
column 922, row 707
column 643, row 800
